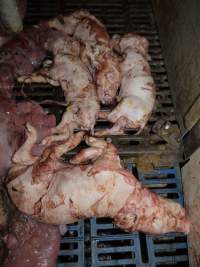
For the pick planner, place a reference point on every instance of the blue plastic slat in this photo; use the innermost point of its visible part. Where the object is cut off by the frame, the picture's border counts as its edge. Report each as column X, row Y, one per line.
column 169, row 247
column 98, row 240
column 161, row 176
column 172, row 259
column 73, row 255
column 157, row 245
column 76, row 230
column 115, row 262
column 114, row 249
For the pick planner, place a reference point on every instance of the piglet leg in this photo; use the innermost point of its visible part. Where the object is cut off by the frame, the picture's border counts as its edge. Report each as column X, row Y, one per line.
column 23, row 155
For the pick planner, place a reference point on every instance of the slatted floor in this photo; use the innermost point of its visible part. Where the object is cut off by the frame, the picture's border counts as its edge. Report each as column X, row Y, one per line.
column 97, row 243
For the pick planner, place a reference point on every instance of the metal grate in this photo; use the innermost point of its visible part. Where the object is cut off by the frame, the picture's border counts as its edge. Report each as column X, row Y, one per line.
column 97, row 242
column 119, row 16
